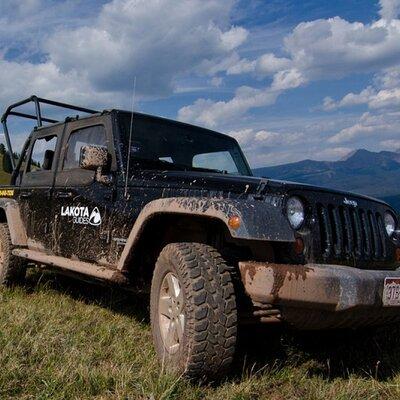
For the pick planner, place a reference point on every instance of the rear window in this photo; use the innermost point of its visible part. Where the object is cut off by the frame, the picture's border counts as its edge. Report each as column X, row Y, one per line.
column 93, row 135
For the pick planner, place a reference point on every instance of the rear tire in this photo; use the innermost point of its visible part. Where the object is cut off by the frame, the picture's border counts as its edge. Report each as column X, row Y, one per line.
column 193, row 311
column 12, row 268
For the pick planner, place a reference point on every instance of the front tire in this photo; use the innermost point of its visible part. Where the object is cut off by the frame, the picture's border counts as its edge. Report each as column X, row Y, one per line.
column 193, row 311
column 12, row 268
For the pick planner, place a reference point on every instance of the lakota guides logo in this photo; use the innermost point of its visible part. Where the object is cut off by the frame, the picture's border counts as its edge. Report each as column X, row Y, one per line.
column 81, row 215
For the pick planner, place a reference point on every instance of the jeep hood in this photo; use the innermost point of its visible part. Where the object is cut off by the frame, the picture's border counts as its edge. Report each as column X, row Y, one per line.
column 237, row 184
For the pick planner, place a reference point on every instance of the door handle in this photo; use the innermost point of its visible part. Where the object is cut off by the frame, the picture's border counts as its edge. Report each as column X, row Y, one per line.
column 64, row 195
column 25, row 195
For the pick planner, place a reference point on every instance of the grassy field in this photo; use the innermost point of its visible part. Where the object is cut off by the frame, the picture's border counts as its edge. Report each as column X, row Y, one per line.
column 60, row 339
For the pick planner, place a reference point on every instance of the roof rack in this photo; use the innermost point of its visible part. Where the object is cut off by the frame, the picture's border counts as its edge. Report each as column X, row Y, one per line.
column 37, row 116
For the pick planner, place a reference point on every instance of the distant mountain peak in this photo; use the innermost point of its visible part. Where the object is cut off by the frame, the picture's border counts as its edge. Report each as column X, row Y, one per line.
column 361, row 171
column 348, row 155
column 353, row 153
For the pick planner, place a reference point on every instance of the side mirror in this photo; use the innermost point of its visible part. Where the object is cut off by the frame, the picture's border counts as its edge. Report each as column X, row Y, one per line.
column 94, row 158
column 7, row 166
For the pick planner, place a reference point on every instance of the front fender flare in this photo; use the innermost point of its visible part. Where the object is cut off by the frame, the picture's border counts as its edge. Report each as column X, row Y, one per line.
column 260, row 220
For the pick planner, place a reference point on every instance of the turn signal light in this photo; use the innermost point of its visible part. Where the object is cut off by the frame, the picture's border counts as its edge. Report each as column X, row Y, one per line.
column 234, row 222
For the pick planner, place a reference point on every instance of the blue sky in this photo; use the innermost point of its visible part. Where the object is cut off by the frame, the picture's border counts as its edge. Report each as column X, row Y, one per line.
column 289, row 79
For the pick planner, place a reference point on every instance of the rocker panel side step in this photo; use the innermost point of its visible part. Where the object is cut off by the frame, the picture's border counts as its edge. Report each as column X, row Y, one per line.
column 93, row 270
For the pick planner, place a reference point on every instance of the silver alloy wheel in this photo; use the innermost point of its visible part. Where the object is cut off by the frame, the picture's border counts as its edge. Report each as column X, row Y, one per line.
column 170, row 312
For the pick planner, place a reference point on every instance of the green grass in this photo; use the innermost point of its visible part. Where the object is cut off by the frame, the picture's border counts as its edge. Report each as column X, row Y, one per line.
column 60, row 339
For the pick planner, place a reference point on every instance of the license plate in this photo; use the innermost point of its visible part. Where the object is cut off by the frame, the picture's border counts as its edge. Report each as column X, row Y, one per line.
column 391, row 292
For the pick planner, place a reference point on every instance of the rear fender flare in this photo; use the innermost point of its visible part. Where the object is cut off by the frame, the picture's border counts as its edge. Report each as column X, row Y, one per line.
column 14, row 221
column 260, row 220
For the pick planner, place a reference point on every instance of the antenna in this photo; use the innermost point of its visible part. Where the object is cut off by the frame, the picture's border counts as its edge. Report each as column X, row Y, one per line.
column 130, row 138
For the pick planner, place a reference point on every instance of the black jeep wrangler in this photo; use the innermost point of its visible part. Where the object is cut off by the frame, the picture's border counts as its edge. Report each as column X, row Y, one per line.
column 145, row 202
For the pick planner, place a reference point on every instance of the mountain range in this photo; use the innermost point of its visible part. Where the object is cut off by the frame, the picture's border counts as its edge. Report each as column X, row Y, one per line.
column 375, row 174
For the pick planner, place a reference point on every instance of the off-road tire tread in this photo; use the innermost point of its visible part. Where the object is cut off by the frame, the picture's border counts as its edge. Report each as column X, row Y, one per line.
column 210, row 309
column 13, row 270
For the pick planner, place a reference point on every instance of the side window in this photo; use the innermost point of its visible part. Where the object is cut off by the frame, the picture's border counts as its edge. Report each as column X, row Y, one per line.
column 93, row 135
column 42, row 154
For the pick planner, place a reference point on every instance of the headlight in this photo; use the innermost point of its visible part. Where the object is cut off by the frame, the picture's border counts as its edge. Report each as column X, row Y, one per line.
column 390, row 223
column 295, row 212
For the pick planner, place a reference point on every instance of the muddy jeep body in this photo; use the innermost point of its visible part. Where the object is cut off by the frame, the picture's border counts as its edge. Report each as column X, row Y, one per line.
column 328, row 273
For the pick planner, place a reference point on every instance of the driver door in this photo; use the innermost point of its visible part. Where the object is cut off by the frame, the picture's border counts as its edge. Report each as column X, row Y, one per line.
column 36, row 188
column 82, row 206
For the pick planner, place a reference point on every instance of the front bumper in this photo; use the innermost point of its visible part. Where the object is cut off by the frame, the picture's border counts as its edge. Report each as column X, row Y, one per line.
column 317, row 296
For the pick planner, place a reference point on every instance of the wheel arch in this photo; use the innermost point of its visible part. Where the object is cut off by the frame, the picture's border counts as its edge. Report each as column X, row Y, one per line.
column 260, row 221
column 161, row 229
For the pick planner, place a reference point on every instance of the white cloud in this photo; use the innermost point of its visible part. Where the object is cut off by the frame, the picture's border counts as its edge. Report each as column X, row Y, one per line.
column 288, row 79
column 265, row 147
column 260, row 144
column 333, row 48
column 265, row 65
column 215, row 113
column 268, row 64
column 322, row 49
column 283, row 140
column 351, row 99
column 332, row 153
column 241, row 66
column 213, row 67
column 385, row 98
column 378, row 125
column 250, row 138
column 25, row 24
column 18, row 80
column 347, row 134
column 234, row 38
column 390, row 144
column 158, row 41
column 388, row 78
column 209, row 113
column 390, row 9
column 384, row 94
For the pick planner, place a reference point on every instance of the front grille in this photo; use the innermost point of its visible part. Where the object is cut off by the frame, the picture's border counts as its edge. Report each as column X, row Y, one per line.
column 349, row 233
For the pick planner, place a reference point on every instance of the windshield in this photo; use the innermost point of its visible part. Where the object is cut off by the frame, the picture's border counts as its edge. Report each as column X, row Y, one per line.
column 159, row 144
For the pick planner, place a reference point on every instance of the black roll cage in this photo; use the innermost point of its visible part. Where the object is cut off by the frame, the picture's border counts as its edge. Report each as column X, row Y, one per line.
column 37, row 116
